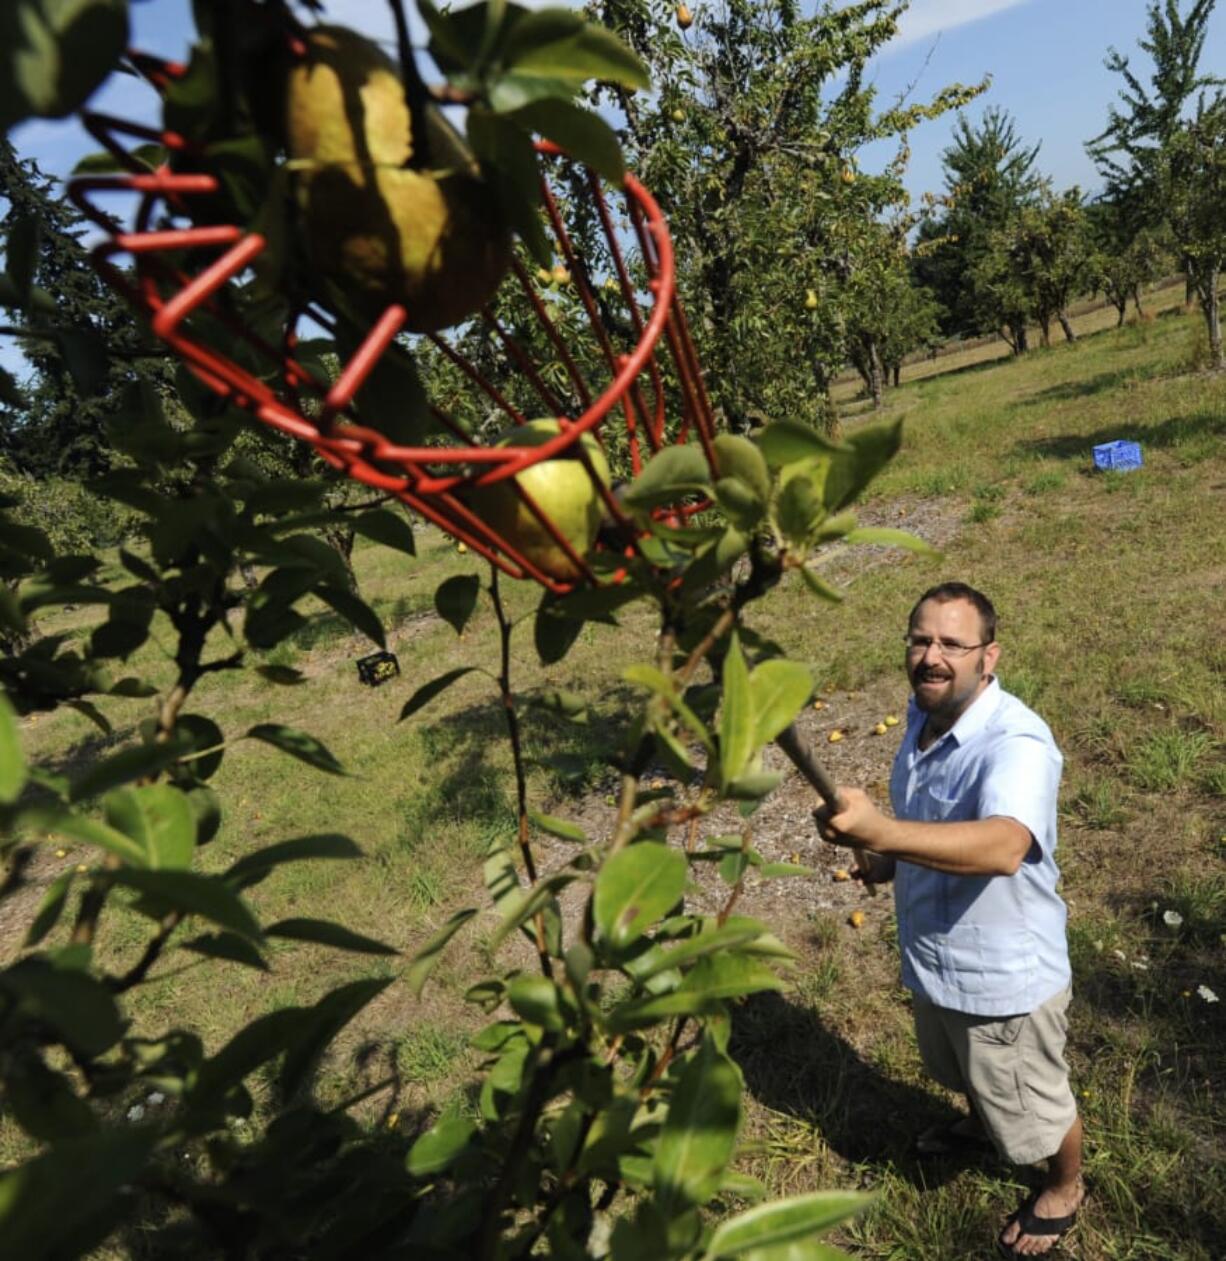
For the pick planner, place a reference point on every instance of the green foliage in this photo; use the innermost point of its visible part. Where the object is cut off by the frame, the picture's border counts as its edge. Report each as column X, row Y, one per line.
column 608, row 1105
column 792, row 258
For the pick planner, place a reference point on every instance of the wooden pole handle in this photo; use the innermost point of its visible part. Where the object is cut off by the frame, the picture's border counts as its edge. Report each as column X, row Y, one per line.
column 801, row 756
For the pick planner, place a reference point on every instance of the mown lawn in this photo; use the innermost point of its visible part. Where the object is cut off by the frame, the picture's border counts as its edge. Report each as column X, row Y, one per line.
column 1111, row 594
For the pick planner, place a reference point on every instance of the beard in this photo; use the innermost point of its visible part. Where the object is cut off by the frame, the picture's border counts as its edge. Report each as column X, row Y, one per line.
column 938, row 693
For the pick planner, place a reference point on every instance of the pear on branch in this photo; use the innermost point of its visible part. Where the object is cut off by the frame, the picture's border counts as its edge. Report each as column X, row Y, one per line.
column 383, row 220
column 562, row 488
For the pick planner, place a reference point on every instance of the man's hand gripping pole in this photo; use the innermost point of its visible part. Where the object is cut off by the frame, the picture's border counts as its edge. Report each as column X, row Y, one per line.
column 801, row 756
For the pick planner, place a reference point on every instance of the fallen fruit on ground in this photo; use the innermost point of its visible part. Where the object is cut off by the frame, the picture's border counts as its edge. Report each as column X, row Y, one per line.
column 856, row 919
column 462, row 548
column 378, row 220
column 834, row 737
column 880, row 729
column 562, row 489
column 891, row 721
column 819, row 704
column 842, row 874
column 810, row 299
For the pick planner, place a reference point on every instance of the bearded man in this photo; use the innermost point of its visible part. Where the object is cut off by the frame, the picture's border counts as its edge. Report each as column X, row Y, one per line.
column 981, row 928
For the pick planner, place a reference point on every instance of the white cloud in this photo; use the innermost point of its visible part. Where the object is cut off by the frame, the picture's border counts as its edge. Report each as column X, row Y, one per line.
column 926, row 19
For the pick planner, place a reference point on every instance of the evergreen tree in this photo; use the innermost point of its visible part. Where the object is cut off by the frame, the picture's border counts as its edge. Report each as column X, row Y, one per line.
column 989, row 176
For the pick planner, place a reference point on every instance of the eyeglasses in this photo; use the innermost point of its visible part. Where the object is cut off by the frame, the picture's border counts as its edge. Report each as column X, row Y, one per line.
column 948, row 648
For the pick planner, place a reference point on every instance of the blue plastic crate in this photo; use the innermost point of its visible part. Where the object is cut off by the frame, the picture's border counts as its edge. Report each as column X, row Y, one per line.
column 1119, row 455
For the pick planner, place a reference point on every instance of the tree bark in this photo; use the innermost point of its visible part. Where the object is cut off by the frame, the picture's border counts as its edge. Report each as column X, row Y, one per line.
column 1136, row 301
column 1121, row 309
column 1044, row 331
column 1069, row 335
column 1212, row 308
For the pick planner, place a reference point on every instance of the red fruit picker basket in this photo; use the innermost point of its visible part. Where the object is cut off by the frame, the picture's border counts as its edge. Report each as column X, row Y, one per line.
column 598, row 344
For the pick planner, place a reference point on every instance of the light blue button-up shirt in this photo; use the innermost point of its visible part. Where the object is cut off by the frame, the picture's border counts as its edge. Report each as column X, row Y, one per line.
column 986, row 945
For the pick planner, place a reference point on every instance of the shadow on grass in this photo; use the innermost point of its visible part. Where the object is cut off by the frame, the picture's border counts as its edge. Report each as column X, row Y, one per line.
column 795, row 1065
column 1172, row 432
column 1068, row 391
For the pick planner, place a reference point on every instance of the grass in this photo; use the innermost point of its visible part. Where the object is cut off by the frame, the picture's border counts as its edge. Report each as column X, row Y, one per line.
column 1106, row 587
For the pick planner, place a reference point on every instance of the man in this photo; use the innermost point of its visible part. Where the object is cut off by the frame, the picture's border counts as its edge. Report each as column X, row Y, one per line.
column 981, row 927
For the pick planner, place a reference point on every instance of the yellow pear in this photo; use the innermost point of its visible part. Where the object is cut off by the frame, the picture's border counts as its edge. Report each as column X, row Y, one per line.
column 562, row 488
column 685, row 19
column 379, row 224
column 810, row 300
column 345, row 103
column 421, row 238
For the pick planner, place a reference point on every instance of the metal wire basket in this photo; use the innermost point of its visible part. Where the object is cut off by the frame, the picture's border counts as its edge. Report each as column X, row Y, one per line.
column 621, row 366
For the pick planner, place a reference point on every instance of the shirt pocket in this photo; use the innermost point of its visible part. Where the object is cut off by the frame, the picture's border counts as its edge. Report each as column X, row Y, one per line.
column 947, row 807
column 961, row 954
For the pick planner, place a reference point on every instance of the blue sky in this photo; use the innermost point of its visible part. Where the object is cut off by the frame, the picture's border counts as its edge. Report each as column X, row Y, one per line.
column 1045, row 58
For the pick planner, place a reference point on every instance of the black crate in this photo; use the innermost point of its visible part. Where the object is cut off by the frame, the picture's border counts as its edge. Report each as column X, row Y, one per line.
column 378, row 668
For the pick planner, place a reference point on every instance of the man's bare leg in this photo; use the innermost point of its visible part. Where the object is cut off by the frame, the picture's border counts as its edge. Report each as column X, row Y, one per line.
column 1061, row 1195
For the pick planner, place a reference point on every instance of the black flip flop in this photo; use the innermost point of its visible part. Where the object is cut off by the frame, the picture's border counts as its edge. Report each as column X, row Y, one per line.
column 1032, row 1224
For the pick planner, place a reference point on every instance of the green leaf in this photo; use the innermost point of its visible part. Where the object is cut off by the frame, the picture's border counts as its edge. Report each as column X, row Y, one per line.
column 509, row 165
column 693, row 948
column 210, row 897
column 355, row 611
column 78, row 827
column 887, row 537
column 428, row 691
column 781, row 1221
column 43, row 1103
column 440, row 1146
column 204, row 744
column 325, row 933
column 754, row 787
column 668, row 476
column 37, row 1218
column 740, row 458
column 159, row 819
column 540, row 44
column 736, row 722
column 54, row 53
column 252, row 868
column 297, row 744
column 51, row 908
column 780, row 690
column 785, row 442
column 819, row 587
column 634, row 888
column 12, row 764
column 456, row 598
column 664, row 687
column 799, row 510
column 870, row 449
column 553, row 633
column 21, row 253
column 585, row 136
column 137, row 762
column 386, row 527
column 535, row 998
column 699, row 1132
column 11, row 394
column 740, row 504
column 524, row 903
column 425, row 959
column 563, row 829
column 78, row 1006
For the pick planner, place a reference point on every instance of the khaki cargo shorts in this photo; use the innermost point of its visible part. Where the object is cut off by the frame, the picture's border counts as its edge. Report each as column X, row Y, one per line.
column 1011, row 1069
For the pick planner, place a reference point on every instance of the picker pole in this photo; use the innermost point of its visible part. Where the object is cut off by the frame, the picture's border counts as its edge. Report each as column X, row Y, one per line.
column 801, row 756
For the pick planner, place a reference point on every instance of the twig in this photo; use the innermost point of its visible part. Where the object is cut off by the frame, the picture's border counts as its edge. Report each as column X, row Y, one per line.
column 505, row 627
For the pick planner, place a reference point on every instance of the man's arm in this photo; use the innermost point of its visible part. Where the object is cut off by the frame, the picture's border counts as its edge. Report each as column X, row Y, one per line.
column 979, row 847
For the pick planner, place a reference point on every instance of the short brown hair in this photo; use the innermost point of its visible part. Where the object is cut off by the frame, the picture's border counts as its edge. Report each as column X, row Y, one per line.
column 947, row 591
